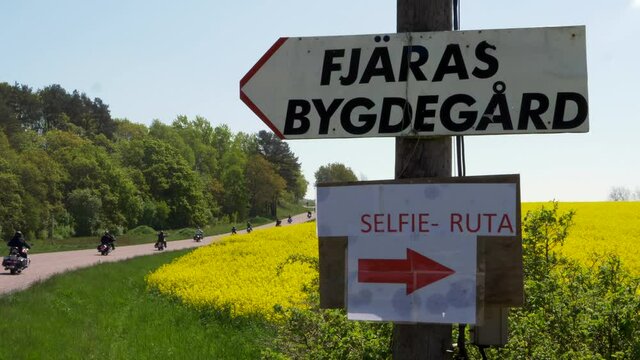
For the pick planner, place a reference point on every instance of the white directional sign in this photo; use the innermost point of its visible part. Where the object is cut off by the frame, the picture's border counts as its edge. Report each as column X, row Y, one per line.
column 509, row 81
column 411, row 253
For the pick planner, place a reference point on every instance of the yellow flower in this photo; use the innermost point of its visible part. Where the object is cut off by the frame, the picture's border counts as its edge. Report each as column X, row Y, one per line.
column 247, row 273
column 601, row 228
column 241, row 272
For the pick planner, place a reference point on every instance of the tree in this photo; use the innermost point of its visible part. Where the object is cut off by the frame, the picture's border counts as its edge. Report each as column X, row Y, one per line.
column 544, row 231
column 197, row 134
column 88, row 166
column 11, row 214
column 285, row 162
column 168, row 178
column 61, row 109
column 126, row 130
column 334, row 172
column 8, row 116
column 221, row 140
column 236, row 196
column 301, row 187
column 39, row 182
column 43, row 180
column 84, row 205
column 23, row 108
column 61, row 148
column 264, row 186
column 100, row 118
column 620, row 193
column 170, row 135
column 54, row 99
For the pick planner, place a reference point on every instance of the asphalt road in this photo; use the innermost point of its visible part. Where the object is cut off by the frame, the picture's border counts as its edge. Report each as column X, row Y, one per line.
column 43, row 266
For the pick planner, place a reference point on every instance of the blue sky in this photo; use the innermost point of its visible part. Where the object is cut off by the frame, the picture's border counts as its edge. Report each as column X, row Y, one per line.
column 159, row 59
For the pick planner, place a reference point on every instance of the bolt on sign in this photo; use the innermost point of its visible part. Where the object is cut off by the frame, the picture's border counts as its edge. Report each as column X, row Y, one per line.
column 412, row 245
column 482, row 82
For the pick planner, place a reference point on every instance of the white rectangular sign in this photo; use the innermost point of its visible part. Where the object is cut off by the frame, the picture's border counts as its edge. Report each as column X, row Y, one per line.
column 479, row 82
column 411, row 253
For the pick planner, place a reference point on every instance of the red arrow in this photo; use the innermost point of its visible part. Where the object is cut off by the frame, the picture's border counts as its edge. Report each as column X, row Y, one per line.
column 416, row 271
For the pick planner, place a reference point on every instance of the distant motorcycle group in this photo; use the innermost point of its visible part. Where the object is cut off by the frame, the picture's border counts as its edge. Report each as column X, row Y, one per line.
column 161, row 242
column 234, row 230
column 18, row 258
column 107, row 241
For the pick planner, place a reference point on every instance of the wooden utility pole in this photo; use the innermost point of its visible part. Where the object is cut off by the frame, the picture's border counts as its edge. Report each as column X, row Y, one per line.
column 422, row 157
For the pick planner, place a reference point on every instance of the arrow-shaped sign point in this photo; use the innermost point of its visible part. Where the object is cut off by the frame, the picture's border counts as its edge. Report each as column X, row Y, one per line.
column 245, row 79
column 416, row 271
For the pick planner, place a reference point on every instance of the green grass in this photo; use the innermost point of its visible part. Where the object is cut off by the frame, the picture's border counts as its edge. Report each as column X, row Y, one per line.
column 105, row 312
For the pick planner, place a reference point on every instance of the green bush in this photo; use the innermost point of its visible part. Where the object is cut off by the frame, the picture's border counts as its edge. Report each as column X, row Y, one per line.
column 141, row 230
column 259, row 220
column 326, row 334
column 184, row 233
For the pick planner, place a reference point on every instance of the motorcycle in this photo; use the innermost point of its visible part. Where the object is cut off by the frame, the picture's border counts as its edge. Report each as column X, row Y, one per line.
column 289, row 220
column 197, row 238
column 308, row 214
column 104, row 249
column 160, row 245
column 16, row 261
column 249, row 229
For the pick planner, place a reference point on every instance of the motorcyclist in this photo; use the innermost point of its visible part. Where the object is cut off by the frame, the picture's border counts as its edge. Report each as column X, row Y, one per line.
column 308, row 214
column 234, row 230
column 249, row 227
column 161, row 239
column 19, row 242
column 199, row 233
column 278, row 222
column 289, row 220
column 108, row 239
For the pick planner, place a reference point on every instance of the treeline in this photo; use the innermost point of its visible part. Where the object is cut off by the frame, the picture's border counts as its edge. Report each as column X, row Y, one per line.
column 623, row 193
column 68, row 168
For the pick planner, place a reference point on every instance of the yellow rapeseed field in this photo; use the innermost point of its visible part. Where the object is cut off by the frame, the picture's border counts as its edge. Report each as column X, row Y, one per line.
column 241, row 272
column 601, row 228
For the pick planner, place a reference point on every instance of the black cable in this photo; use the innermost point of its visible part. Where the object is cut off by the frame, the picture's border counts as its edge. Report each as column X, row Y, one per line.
column 462, row 354
column 456, row 15
column 462, row 348
column 482, row 353
column 460, row 157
